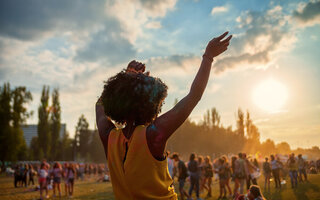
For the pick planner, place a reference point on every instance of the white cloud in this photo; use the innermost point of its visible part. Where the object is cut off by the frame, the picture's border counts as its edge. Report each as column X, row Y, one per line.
column 266, row 35
column 98, row 40
column 219, row 9
column 153, row 25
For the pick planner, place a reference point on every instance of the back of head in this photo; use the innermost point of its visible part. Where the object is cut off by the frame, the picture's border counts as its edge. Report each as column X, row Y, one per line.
column 225, row 159
column 192, row 156
column 272, row 157
column 133, row 97
column 200, row 158
column 207, row 159
column 175, row 156
column 255, row 191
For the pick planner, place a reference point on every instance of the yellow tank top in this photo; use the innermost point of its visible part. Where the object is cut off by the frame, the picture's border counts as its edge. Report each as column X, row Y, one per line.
column 137, row 174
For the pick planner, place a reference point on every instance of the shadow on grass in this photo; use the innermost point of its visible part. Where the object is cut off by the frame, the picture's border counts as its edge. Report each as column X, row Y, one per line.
column 96, row 196
column 273, row 195
column 303, row 189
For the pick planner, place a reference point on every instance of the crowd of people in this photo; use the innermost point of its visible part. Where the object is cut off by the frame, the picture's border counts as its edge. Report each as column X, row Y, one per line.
column 201, row 172
column 242, row 170
column 51, row 176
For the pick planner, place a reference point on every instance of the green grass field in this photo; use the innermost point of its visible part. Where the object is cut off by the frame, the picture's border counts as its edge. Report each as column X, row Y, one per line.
column 92, row 190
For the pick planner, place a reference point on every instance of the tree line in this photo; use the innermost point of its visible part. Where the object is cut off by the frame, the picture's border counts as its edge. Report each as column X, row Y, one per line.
column 208, row 137
column 48, row 144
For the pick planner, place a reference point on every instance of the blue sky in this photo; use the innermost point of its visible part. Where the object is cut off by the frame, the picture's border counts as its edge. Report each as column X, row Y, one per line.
column 76, row 45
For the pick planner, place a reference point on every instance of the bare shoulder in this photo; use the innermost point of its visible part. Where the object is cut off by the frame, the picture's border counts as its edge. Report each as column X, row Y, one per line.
column 155, row 140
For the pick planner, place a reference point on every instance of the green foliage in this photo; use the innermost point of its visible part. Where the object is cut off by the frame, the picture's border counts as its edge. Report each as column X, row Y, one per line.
column 240, row 123
column 5, row 116
column 55, row 123
column 44, row 136
column 82, row 136
column 65, row 150
column 13, row 113
column 88, row 144
column 96, row 150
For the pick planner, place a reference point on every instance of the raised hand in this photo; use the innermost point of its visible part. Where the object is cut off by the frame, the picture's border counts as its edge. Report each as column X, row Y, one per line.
column 136, row 67
column 216, row 46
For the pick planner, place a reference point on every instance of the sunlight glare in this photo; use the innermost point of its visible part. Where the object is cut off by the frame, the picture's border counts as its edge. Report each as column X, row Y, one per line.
column 270, row 95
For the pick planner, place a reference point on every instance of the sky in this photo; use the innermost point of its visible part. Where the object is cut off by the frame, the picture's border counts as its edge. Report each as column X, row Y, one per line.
column 76, row 45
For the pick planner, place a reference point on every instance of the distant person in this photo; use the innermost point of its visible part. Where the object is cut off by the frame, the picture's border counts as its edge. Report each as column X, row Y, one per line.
column 208, row 174
column 17, row 177
column 228, row 174
column 43, row 174
column 292, row 164
column 194, row 175
column 57, row 175
column 71, row 175
column 24, row 174
column 241, row 172
column 182, row 175
column 134, row 98
column 31, row 174
column 222, row 178
column 81, row 171
column 302, row 169
column 104, row 178
column 170, row 164
column 267, row 173
column 252, row 169
column 66, row 183
column 201, row 172
column 282, row 170
column 275, row 168
column 234, row 176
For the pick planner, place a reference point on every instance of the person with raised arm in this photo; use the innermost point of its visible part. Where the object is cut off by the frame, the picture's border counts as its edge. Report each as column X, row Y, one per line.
column 136, row 153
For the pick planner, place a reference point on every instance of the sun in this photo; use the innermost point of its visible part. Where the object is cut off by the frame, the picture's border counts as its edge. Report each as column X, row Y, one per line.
column 270, row 95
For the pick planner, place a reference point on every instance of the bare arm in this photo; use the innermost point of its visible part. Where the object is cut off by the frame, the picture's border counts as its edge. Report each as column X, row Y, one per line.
column 104, row 125
column 165, row 125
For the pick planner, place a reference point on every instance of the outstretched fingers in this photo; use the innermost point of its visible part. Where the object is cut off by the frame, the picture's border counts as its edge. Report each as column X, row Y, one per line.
column 226, row 40
column 222, row 36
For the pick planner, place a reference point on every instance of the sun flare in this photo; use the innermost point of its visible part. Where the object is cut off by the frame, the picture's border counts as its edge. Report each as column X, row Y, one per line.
column 270, row 95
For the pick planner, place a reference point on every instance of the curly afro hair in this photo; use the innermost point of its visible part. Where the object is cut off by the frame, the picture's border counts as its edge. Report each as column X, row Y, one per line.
column 133, row 97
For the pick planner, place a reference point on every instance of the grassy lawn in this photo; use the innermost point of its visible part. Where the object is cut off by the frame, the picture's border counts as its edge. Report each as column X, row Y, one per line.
column 92, row 190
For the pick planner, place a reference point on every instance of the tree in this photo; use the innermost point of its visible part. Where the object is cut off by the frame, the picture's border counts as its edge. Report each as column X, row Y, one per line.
column 44, row 137
column 96, row 150
column 55, row 122
column 283, row 148
column 21, row 96
column 240, row 123
column 65, row 148
column 215, row 117
column 13, row 113
column 268, row 147
column 82, row 136
column 248, row 125
column 6, row 139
